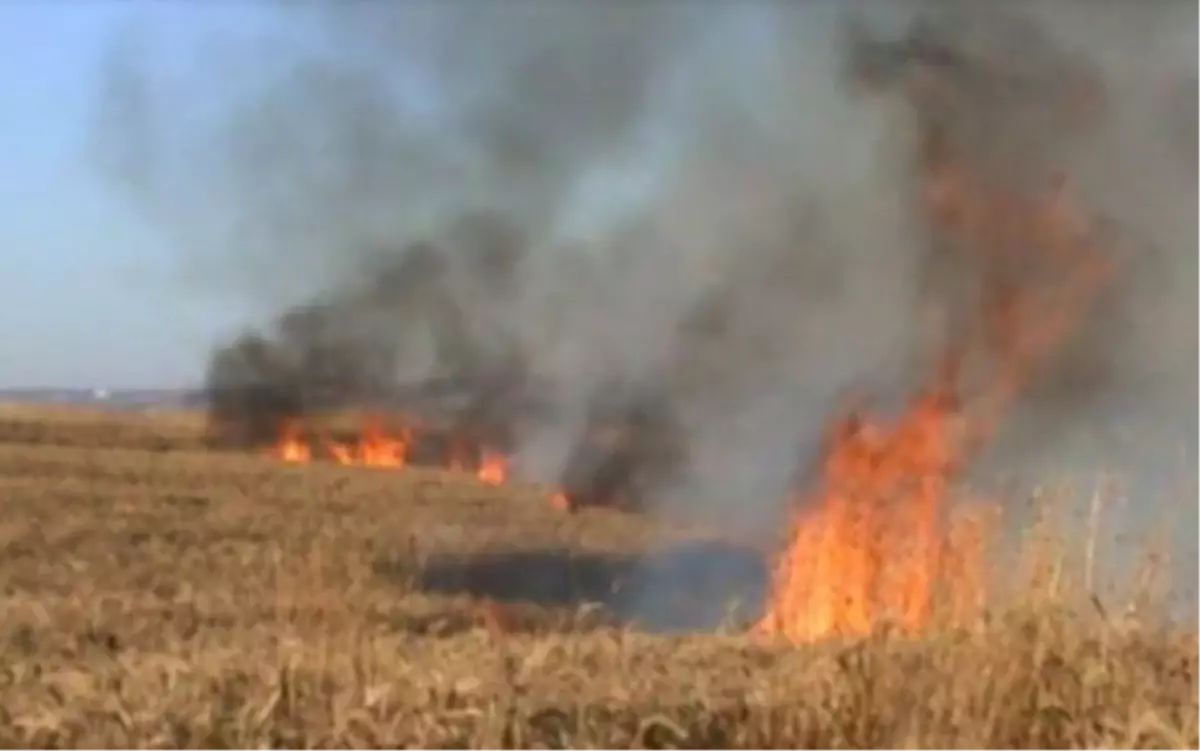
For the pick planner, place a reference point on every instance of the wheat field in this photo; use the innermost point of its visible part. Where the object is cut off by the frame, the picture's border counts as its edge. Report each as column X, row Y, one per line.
column 159, row 594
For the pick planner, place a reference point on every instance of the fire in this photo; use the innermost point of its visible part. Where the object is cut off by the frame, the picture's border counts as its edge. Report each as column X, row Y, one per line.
column 871, row 547
column 493, row 468
column 560, row 501
column 292, row 446
column 377, row 447
column 875, row 543
column 879, row 539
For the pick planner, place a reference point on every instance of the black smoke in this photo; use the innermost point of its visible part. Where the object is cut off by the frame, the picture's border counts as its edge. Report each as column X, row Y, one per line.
column 528, row 210
column 346, row 351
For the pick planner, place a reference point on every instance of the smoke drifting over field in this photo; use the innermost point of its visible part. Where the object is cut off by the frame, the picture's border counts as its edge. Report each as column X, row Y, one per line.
column 713, row 206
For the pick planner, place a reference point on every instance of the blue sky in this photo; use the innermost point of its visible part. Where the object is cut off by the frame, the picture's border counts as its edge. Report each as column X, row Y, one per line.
column 92, row 293
column 97, row 295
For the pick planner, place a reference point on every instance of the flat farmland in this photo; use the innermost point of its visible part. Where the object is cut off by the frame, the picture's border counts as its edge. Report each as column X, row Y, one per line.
column 159, row 594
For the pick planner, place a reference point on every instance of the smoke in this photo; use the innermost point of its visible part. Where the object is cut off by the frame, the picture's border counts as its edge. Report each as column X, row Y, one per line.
column 710, row 206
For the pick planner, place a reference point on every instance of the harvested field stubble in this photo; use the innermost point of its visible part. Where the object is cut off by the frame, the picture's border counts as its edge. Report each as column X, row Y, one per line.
column 175, row 597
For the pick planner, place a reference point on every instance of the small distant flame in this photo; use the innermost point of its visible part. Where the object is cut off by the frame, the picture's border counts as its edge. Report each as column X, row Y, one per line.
column 493, row 468
column 292, row 447
column 560, row 501
column 377, row 447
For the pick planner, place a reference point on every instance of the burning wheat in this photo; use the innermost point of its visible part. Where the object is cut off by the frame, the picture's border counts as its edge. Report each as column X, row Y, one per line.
column 875, row 540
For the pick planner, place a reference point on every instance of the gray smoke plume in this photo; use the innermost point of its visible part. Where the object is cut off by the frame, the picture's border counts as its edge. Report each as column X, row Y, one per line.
column 709, row 210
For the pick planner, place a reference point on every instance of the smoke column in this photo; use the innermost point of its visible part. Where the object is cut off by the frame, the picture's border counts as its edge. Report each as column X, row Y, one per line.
column 704, row 204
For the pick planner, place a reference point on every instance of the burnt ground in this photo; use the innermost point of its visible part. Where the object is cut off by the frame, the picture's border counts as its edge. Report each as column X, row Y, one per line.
column 701, row 586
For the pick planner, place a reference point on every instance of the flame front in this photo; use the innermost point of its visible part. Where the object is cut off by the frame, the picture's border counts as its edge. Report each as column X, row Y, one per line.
column 871, row 547
column 875, row 543
column 377, row 447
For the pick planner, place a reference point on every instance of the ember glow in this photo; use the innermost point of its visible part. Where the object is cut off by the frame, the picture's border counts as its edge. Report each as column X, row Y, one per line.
column 493, row 468
column 560, row 502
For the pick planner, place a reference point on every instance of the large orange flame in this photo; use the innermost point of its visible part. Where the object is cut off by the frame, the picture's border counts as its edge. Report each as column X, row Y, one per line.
column 874, row 544
column 871, row 547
